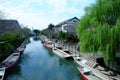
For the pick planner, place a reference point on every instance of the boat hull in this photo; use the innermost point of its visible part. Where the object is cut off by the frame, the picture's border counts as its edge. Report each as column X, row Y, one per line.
column 83, row 76
column 2, row 73
column 13, row 64
column 11, row 61
column 20, row 50
column 62, row 54
column 48, row 46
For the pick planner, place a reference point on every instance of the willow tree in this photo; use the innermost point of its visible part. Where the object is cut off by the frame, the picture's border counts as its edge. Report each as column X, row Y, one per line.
column 99, row 30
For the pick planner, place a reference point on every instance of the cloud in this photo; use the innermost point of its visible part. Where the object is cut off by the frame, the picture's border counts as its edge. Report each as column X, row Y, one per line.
column 27, row 3
column 57, row 6
column 40, row 13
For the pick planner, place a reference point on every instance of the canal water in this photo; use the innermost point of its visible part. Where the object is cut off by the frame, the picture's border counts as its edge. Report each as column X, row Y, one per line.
column 39, row 63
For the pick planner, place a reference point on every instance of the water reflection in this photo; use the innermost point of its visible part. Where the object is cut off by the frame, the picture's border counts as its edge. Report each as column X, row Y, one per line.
column 50, row 53
column 64, row 62
column 39, row 63
column 16, row 70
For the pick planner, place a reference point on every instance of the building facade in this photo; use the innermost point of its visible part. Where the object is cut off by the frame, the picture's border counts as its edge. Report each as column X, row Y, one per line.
column 67, row 26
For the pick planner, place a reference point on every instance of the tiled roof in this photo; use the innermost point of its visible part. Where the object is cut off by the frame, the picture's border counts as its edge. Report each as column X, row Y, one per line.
column 66, row 21
column 9, row 26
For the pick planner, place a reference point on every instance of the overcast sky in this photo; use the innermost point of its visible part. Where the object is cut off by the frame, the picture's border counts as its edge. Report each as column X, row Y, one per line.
column 40, row 13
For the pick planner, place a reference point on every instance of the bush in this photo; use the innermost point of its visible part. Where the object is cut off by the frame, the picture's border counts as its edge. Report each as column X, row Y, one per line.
column 9, row 42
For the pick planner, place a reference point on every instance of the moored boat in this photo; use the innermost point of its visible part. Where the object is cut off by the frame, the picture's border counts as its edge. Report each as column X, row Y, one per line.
column 89, row 71
column 21, row 49
column 84, row 72
column 48, row 44
column 2, row 73
column 61, row 53
column 10, row 61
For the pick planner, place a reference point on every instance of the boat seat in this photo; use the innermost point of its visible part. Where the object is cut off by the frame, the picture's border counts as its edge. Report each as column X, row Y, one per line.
column 15, row 54
column 59, row 47
column 88, row 73
column 67, row 51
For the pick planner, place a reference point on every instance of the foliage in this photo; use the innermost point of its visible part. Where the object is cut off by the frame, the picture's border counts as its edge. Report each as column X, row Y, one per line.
column 49, row 31
column 8, row 43
column 64, row 35
column 50, row 26
column 37, row 32
column 99, row 29
column 26, row 32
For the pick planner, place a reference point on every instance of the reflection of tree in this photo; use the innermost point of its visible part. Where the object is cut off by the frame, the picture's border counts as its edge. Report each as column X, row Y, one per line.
column 24, row 58
column 15, row 70
column 50, row 53
column 28, row 41
column 35, row 38
column 64, row 62
column 70, row 67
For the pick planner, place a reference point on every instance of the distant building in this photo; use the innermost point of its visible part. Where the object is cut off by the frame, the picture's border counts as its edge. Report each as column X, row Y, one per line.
column 11, row 26
column 67, row 26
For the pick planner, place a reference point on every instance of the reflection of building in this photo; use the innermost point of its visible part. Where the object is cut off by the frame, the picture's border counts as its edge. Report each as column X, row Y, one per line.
column 67, row 26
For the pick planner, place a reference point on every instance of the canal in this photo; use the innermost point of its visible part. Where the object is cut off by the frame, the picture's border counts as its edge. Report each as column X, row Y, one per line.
column 39, row 63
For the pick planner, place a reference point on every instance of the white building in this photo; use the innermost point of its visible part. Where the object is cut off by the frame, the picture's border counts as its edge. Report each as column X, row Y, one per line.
column 68, row 26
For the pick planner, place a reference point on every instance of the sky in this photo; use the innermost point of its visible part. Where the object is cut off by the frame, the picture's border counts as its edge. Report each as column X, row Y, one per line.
column 38, row 14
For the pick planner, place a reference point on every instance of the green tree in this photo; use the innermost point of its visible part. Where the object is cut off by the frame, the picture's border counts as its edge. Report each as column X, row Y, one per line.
column 64, row 35
column 26, row 32
column 49, row 31
column 37, row 32
column 99, row 30
column 8, row 43
column 50, row 26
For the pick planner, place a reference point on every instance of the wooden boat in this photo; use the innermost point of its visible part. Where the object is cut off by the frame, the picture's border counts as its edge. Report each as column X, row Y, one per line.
column 2, row 73
column 61, row 53
column 48, row 44
column 11, row 61
column 21, row 49
column 89, row 72
column 84, row 72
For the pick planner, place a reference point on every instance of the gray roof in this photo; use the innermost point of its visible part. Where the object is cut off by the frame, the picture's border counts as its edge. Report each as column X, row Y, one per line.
column 9, row 26
column 66, row 21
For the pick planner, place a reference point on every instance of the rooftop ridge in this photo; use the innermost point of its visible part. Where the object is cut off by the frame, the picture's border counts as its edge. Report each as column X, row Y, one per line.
column 66, row 21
